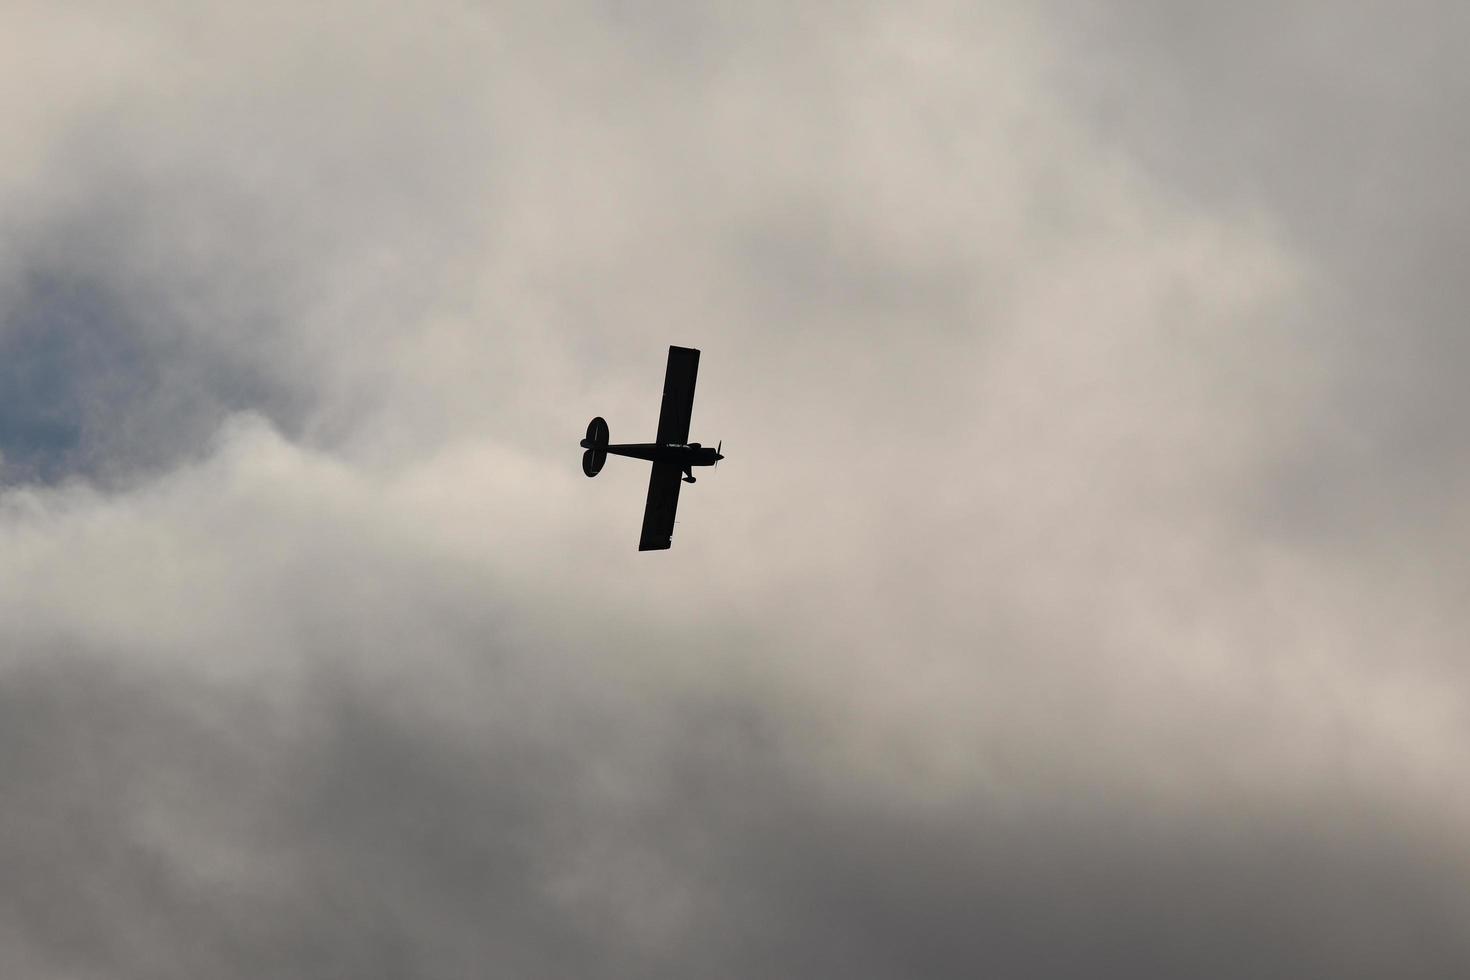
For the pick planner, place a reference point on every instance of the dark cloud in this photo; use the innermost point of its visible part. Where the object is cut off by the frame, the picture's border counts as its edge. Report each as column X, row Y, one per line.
column 97, row 385
column 163, row 829
column 1080, row 597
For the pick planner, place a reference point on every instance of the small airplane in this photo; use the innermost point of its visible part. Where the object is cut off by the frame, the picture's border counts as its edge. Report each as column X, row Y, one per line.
column 671, row 455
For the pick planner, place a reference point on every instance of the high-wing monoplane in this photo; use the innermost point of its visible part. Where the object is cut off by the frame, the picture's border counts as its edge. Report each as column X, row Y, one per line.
column 672, row 454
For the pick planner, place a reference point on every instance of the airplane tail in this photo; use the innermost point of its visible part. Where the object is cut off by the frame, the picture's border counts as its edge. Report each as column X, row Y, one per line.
column 596, row 446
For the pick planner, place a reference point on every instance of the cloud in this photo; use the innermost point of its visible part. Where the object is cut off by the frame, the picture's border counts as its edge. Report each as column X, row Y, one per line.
column 1343, row 127
column 1047, row 618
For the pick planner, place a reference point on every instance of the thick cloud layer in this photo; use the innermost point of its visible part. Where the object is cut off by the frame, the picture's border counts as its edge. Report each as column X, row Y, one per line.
column 1082, row 595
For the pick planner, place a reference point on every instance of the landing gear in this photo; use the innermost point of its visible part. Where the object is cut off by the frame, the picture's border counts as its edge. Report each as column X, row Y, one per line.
column 688, row 477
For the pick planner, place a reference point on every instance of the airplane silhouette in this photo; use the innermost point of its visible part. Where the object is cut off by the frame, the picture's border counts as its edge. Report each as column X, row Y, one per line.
column 671, row 454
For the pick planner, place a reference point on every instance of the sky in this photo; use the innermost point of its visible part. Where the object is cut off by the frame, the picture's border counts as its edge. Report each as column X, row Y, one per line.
column 1083, row 593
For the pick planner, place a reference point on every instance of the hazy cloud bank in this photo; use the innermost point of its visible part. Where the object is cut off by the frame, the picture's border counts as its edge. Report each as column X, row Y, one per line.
column 1081, row 595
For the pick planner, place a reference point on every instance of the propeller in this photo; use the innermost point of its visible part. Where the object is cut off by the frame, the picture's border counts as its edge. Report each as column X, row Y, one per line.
column 720, row 445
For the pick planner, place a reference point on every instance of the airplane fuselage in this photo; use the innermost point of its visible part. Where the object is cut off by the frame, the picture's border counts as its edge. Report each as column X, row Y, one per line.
column 682, row 456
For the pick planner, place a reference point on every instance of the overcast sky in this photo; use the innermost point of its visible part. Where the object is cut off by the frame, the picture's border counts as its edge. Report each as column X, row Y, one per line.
column 1084, row 593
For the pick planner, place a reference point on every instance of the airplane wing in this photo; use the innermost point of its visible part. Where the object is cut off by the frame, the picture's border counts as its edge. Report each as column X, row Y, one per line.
column 663, row 500
column 673, row 418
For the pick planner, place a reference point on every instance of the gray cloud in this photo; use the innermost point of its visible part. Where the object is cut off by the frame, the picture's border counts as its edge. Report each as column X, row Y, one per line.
column 1345, row 127
column 1079, row 597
